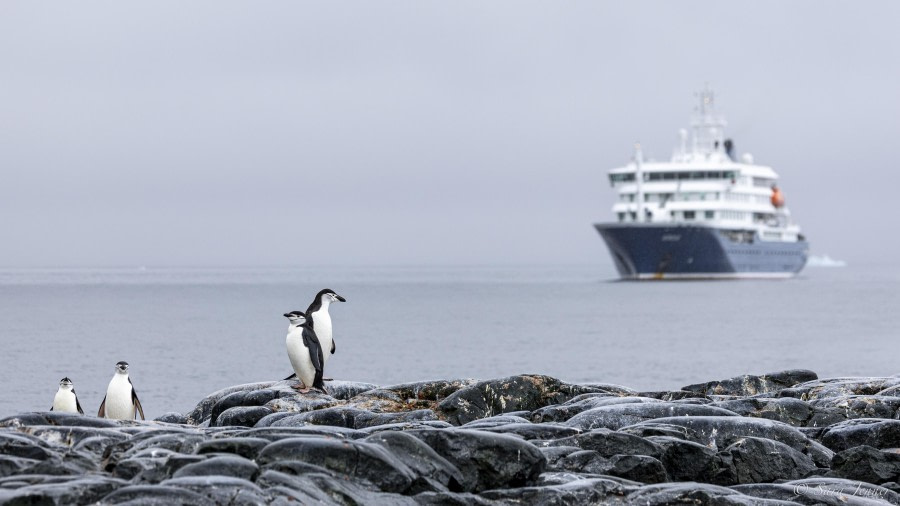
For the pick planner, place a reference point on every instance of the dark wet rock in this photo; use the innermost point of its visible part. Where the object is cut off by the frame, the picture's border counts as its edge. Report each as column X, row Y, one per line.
column 515, row 393
column 583, row 491
column 423, row 424
column 10, row 465
column 608, row 443
column 640, row 468
column 580, row 403
column 269, row 419
column 783, row 409
column 224, row 465
column 757, row 460
column 341, row 491
column 72, row 436
column 292, row 489
column 241, row 399
column 247, row 447
column 486, row 460
column 278, row 432
column 452, row 499
column 429, row 390
column 677, row 395
column 85, row 490
column 838, row 387
column 292, row 403
column 718, row 432
column 244, row 416
column 532, row 431
column 686, row 460
column 621, row 415
column 25, row 446
column 203, row 410
column 358, row 419
column 493, row 421
column 429, row 467
column 156, row 495
column 751, row 385
column 176, row 441
column 867, row 464
column 360, row 460
column 153, row 466
column 554, row 454
column 24, row 420
column 656, row 428
column 222, row 489
column 687, row 493
column 877, row 433
column 71, row 463
column 172, row 417
column 831, row 410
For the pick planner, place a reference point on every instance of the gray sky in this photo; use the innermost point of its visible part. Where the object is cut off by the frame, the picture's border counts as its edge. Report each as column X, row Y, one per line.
column 273, row 133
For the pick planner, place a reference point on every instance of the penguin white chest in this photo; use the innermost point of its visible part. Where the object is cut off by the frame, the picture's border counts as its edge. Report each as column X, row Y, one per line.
column 119, row 405
column 322, row 326
column 298, row 354
column 64, row 401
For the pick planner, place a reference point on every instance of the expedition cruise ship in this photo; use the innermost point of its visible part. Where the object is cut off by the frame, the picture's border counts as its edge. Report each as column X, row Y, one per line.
column 704, row 214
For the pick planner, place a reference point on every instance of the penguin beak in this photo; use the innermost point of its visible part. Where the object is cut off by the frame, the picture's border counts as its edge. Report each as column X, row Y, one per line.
column 338, row 297
column 287, row 315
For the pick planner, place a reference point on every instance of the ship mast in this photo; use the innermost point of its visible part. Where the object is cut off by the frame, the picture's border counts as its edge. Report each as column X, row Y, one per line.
column 709, row 127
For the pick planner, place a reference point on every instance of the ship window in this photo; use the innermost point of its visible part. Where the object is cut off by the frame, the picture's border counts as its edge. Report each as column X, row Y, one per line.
column 632, row 215
column 689, row 215
column 621, row 216
column 696, row 175
column 620, row 178
column 710, row 215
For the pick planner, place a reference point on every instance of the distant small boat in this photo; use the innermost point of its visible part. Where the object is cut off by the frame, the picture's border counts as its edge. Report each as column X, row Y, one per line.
column 703, row 214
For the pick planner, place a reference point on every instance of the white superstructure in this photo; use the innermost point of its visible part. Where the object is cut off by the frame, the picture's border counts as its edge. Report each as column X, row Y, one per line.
column 704, row 184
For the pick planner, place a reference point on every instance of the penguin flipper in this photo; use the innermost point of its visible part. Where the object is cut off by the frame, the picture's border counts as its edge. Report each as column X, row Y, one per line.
column 292, row 376
column 137, row 402
column 77, row 404
column 333, row 347
column 102, row 412
column 315, row 349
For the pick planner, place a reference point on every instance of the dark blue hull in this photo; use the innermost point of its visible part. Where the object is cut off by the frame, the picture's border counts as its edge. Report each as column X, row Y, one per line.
column 652, row 251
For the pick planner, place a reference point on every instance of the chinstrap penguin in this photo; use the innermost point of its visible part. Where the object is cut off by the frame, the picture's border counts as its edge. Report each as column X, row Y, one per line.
column 305, row 352
column 321, row 320
column 65, row 399
column 121, row 401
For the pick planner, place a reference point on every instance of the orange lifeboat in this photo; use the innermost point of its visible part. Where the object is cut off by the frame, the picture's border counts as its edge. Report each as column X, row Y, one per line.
column 777, row 197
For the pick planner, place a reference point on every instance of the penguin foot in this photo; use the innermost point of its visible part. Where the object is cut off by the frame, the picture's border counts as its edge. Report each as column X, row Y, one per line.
column 301, row 387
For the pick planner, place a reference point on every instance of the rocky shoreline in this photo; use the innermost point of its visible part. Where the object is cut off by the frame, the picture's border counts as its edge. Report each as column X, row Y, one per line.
column 774, row 439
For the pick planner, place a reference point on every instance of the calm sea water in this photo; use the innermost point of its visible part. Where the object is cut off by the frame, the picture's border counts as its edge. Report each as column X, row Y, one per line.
column 189, row 332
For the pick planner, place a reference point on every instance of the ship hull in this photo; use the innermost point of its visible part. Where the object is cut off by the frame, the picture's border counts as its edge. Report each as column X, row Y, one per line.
column 675, row 251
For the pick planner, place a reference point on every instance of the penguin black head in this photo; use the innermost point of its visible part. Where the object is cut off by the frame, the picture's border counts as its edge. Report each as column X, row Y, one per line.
column 65, row 382
column 296, row 317
column 122, row 367
column 330, row 293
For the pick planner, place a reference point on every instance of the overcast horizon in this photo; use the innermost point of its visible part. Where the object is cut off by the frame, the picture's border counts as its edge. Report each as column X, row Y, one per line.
column 420, row 133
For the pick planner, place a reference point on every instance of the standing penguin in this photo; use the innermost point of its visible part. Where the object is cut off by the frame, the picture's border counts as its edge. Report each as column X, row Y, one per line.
column 65, row 399
column 121, row 401
column 321, row 320
column 304, row 352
